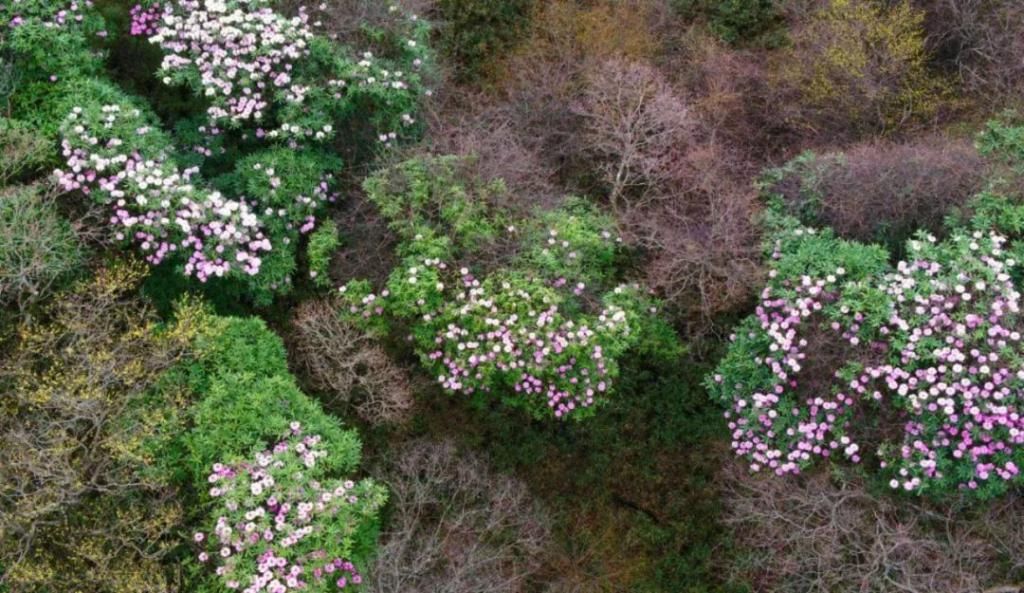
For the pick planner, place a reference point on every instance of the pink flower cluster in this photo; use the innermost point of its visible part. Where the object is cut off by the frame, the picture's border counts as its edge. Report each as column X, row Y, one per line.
column 265, row 538
column 784, row 440
column 145, row 20
column 959, row 377
column 946, row 363
column 154, row 204
column 72, row 12
column 515, row 332
column 240, row 52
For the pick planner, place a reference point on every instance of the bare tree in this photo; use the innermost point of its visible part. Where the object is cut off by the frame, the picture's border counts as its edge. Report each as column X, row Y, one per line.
column 490, row 132
column 635, row 127
column 75, row 493
column 983, row 39
column 886, row 191
column 456, row 527
column 349, row 364
column 822, row 533
column 702, row 243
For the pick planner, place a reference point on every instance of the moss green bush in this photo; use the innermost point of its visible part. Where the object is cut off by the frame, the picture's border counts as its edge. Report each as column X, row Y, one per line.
column 478, row 30
column 38, row 247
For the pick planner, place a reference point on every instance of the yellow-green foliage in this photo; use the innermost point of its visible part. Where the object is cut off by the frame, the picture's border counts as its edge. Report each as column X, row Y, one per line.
column 80, row 507
column 570, row 31
column 862, row 65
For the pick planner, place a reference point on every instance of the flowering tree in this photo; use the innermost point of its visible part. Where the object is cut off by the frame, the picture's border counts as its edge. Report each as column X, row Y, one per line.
column 274, row 94
column 254, row 65
column 115, row 154
column 282, row 524
column 919, row 367
column 542, row 324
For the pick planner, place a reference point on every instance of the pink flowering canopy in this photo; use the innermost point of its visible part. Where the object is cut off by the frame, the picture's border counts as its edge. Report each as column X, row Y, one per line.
column 261, row 69
column 545, row 330
column 281, row 525
column 116, row 154
column 229, row 194
column 918, row 369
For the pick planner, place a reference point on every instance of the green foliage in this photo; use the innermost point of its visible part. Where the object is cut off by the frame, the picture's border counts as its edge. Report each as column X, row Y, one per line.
column 38, row 247
column 476, row 31
column 420, row 197
column 22, row 150
column 798, row 251
column 992, row 210
column 1002, row 139
column 50, row 38
column 247, row 397
column 45, row 107
column 575, row 241
column 322, row 244
column 543, row 326
column 280, row 177
column 738, row 22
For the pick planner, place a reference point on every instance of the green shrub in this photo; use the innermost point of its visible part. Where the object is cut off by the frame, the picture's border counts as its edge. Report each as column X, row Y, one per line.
column 38, row 247
column 478, row 30
column 244, row 411
column 738, row 22
column 322, row 244
column 1003, row 140
column 530, row 310
column 435, row 195
column 246, row 396
column 22, row 150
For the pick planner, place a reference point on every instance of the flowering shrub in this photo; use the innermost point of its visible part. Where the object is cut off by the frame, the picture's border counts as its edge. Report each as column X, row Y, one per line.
column 240, row 53
column 253, row 64
column 282, row 524
column 277, row 514
column 776, row 423
column 919, row 367
column 114, row 153
column 955, row 368
column 275, row 93
column 543, row 328
column 145, row 20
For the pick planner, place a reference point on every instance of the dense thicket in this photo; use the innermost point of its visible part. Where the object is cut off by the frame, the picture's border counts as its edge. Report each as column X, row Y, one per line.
column 235, row 232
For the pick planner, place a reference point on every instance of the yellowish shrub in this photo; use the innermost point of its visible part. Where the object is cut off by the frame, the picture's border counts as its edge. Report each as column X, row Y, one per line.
column 860, row 66
column 83, row 506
